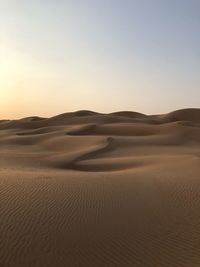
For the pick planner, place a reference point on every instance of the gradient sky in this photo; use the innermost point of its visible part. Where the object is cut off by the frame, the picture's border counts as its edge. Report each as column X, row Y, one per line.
column 102, row 55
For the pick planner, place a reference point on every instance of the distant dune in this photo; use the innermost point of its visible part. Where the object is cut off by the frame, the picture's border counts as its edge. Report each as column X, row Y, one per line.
column 89, row 189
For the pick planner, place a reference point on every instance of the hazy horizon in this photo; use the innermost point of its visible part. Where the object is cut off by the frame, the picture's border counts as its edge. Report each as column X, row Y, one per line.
column 105, row 56
column 29, row 115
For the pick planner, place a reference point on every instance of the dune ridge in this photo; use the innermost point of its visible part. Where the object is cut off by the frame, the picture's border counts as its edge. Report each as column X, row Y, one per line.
column 86, row 116
column 90, row 189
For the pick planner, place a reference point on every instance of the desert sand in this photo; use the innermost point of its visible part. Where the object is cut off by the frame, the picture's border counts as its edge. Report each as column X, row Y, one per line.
column 87, row 189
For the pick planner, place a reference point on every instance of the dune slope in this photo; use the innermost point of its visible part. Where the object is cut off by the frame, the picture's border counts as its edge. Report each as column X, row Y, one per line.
column 88, row 189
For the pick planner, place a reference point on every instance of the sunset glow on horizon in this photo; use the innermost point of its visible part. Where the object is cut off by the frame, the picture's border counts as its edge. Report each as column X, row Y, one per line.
column 61, row 56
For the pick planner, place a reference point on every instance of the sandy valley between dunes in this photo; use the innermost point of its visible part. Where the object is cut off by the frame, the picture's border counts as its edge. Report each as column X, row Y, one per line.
column 86, row 189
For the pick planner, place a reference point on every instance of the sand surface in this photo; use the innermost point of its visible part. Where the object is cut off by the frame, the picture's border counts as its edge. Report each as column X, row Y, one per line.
column 87, row 189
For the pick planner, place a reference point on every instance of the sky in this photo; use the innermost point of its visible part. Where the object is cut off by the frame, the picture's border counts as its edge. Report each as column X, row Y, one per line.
column 58, row 56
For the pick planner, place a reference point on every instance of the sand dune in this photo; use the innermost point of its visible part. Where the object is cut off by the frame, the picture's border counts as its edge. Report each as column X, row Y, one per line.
column 89, row 189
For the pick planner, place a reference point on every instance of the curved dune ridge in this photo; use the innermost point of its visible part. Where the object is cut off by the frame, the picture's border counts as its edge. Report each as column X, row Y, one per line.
column 90, row 189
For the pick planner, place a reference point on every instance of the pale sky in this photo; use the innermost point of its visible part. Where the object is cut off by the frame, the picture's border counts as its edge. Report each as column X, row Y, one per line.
column 103, row 55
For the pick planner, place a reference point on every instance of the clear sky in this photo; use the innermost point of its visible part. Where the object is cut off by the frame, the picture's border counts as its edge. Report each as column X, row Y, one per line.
column 103, row 55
